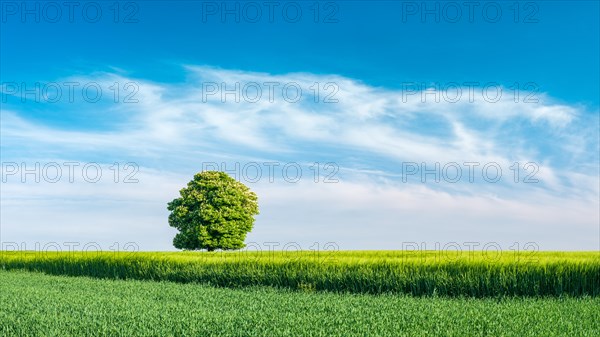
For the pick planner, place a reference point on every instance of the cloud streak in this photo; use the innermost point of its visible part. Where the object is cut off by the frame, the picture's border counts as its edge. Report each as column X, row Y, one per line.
column 368, row 131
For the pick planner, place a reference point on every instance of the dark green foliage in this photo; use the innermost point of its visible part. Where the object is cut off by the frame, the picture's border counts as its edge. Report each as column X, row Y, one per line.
column 214, row 212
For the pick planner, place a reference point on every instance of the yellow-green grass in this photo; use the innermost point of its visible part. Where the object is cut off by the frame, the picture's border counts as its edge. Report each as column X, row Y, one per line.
column 477, row 274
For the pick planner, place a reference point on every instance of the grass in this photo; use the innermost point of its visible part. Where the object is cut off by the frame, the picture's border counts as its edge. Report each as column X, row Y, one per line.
column 474, row 274
column 35, row 304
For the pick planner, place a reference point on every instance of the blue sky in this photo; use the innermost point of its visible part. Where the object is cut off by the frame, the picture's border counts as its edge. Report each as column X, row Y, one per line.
column 379, row 67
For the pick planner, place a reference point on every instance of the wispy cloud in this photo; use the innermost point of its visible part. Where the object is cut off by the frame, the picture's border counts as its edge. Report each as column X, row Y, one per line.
column 368, row 131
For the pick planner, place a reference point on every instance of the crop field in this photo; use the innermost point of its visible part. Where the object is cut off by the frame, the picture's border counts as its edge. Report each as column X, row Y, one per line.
column 475, row 274
column 359, row 293
column 34, row 304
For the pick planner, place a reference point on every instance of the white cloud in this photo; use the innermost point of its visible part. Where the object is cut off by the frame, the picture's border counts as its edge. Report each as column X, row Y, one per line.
column 369, row 132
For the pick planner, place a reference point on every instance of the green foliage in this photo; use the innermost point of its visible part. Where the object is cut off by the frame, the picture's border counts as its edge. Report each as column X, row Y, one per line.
column 214, row 212
column 426, row 273
column 41, row 305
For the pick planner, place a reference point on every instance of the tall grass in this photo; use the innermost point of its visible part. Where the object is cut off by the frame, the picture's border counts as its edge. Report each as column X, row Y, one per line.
column 416, row 273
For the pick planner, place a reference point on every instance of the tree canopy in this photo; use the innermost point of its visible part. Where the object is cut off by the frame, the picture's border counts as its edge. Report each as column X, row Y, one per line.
column 213, row 212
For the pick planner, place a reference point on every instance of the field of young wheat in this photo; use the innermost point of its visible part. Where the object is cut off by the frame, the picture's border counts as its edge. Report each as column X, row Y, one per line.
column 473, row 274
column 34, row 304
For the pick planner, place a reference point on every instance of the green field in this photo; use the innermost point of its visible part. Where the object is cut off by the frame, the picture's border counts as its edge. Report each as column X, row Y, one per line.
column 474, row 274
column 361, row 293
column 34, row 304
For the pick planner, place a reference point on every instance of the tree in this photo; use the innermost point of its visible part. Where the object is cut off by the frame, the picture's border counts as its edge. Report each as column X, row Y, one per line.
column 214, row 212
